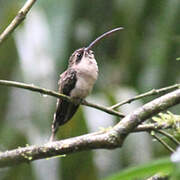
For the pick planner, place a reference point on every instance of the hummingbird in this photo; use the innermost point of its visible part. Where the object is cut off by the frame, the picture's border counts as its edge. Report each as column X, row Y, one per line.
column 77, row 82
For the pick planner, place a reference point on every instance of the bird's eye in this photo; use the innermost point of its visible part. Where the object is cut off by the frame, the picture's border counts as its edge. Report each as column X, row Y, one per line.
column 79, row 56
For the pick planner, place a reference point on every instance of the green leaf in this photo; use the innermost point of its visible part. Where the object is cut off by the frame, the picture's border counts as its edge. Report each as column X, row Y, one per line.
column 158, row 166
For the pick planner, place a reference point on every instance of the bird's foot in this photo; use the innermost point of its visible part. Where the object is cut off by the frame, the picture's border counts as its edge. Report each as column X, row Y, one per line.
column 52, row 138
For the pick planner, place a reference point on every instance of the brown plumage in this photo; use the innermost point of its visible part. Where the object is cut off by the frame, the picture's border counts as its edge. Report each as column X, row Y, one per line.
column 77, row 82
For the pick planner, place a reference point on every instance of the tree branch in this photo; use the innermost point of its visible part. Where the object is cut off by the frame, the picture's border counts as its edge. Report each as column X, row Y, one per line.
column 148, row 110
column 31, row 87
column 109, row 139
column 149, row 93
column 17, row 20
column 151, row 127
column 103, row 108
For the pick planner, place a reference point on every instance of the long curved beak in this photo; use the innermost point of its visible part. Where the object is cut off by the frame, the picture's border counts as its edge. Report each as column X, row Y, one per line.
column 101, row 37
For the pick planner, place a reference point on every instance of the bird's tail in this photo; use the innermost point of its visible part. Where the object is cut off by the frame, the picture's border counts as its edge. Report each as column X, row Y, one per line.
column 64, row 112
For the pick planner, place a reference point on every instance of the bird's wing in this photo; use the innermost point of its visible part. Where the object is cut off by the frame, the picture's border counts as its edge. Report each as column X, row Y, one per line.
column 65, row 110
column 67, row 81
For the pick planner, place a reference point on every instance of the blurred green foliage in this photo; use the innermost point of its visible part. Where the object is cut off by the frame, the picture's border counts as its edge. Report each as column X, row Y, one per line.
column 161, row 166
column 140, row 58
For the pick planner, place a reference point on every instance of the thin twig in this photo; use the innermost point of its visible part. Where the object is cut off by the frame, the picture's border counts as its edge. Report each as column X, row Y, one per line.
column 169, row 136
column 31, row 87
column 149, row 93
column 17, row 20
column 163, row 142
column 157, row 128
column 103, row 108
column 151, row 127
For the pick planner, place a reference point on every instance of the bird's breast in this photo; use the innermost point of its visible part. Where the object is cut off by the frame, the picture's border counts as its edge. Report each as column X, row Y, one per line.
column 87, row 74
